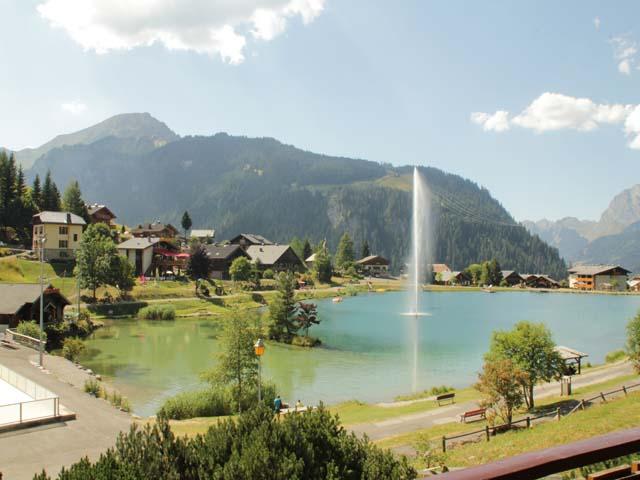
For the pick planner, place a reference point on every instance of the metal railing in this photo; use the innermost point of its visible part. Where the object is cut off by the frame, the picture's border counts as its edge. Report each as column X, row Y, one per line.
column 489, row 431
column 44, row 404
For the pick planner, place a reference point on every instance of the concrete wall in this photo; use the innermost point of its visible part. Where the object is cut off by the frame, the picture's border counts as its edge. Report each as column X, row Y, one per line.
column 52, row 248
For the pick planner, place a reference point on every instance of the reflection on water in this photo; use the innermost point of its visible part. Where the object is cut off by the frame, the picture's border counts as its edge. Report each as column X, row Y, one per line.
column 371, row 353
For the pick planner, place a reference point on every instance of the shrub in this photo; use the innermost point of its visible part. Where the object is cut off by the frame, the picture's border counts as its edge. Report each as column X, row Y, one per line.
column 268, row 274
column 199, row 403
column 92, row 387
column 441, row 389
column 72, row 348
column 158, row 312
column 30, row 329
column 615, row 356
column 305, row 341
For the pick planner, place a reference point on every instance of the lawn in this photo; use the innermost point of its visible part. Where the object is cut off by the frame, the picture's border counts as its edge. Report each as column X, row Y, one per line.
column 14, row 269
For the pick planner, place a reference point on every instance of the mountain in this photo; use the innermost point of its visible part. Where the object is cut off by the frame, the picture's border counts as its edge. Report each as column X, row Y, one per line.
column 609, row 240
column 129, row 126
column 238, row 184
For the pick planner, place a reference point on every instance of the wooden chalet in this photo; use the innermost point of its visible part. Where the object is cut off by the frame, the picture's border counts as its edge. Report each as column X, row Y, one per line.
column 598, row 277
column 156, row 230
column 221, row 257
column 245, row 240
column 537, row 280
column 101, row 214
column 276, row 257
column 373, row 265
column 455, row 278
column 21, row 302
column 512, row 278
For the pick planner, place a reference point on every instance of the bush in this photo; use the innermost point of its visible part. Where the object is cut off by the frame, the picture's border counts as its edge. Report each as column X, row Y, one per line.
column 615, row 356
column 30, row 329
column 158, row 312
column 199, row 403
column 72, row 348
column 268, row 274
column 257, row 445
column 441, row 389
column 92, row 387
column 304, row 341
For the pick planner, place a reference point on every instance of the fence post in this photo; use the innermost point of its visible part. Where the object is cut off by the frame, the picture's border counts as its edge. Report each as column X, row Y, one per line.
column 528, row 422
column 486, row 429
column 624, row 389
column 582, row 403
column 444, row 444
column 558, row 413
column 602, row 395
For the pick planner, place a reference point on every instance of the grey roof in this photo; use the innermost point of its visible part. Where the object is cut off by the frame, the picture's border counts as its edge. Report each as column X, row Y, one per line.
column 567, row 353
column 254, row 238
column 153, row 227
column 138, row 243
column 63, row 218
column 93, row 208
column 266, row 254
column 222, row 251
column 312, row 258
column 594, row 269
column 507, row 273
column 202, row 233
column 365, row 260
column 14, row 295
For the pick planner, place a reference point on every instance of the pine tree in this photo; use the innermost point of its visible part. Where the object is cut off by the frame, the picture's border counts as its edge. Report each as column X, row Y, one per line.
column 322, row 268
column 72, row 200
column 186, row 222
column 365, row 252
column 345, row 255
column 36, row 193
column 50, row 195
column 306, row 249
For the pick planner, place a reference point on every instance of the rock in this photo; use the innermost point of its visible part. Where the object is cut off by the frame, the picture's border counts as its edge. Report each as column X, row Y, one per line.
column 98, row 377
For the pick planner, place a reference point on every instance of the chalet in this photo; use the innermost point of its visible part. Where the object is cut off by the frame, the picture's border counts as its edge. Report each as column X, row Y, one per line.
column 275, row 257
column 101, row 214
column 245, row 240
column 21, row 301
column 311, row 260
column 511, row 278
column 598, row 277
column 139, row 251
column 203, row 235
column 156, row 230
column 221, row 257
column 61, row 232
column 439, row 268
column 455, row 278
column 634, row 285
column 536, row 280
column 373, row 265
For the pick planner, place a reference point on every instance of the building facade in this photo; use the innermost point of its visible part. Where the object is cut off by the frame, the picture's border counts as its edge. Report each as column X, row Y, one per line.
column 598, row 277
column 61, row 232
column 139, row 251
column 373, row 265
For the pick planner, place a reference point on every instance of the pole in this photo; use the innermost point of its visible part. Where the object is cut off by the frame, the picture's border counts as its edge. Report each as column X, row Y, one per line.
column 78, row 307
column 259, row 381
column 41, row 297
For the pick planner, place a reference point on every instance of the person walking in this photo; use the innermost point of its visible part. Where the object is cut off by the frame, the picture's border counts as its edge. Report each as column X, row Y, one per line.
column 277, row 404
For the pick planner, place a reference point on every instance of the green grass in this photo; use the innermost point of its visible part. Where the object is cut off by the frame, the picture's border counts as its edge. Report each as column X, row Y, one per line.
column 354, row 412
column 615, row 356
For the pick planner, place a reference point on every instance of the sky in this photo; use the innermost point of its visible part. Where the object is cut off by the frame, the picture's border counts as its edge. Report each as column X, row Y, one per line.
column 536, row 101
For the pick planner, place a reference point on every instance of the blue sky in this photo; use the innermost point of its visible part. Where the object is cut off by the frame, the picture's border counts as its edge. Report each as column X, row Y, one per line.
column 364, row 79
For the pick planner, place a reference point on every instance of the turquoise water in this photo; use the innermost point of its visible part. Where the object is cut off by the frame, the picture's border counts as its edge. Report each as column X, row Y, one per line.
column 368, row 344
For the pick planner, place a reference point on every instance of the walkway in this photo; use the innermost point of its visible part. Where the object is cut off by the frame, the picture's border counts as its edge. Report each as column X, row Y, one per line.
column 451, row 413
column 26, row 452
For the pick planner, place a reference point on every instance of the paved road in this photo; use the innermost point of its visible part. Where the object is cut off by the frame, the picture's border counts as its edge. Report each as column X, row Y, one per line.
column 25, row 452
column 451, row 413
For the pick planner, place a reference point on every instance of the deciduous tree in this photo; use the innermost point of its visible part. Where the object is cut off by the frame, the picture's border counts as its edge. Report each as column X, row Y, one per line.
column 95, row 258
column 633, row 341
column 198, row 266
column 345, row 255
column 501, row 382
column 240, row 269
column 322, row 269
column 306, row 316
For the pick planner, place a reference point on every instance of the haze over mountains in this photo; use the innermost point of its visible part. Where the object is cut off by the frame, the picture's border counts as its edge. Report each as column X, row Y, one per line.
column 143, row 171
column 614, row 238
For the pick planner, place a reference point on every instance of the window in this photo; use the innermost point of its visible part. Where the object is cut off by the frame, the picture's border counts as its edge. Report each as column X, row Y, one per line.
column 63, row 244
column 63, row 230
column 75, row 237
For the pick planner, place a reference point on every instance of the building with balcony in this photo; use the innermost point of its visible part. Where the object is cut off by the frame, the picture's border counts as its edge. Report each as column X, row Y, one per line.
column 598, row 277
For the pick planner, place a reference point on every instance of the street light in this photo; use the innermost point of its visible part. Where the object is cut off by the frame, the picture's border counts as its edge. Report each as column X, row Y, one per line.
column 42, row 238
column 259, row 349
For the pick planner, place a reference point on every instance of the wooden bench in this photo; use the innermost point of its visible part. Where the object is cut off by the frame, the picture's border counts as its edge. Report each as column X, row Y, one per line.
column 446, row 396
column 480, row 412
column 9, row 344
column 621, row 472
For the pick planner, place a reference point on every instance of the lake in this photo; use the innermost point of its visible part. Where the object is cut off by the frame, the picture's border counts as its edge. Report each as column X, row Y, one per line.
column 368, row 345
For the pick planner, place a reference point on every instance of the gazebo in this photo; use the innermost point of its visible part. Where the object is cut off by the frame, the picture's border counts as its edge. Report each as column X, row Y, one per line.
column 571, row 357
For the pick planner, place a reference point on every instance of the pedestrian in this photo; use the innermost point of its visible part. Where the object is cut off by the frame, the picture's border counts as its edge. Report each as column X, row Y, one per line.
column 277, row 404
column 299, row 405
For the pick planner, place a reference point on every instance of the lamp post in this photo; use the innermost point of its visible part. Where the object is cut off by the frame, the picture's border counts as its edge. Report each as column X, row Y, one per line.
column 259, row 349
column 41, row 241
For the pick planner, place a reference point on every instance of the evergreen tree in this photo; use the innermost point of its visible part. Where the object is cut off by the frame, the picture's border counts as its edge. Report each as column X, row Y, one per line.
column 322, row 269
column 282, row 308
column 345, row 255
column 72, row 200
column 186, row 223
column 365, row 252
column 298, row 247
column 306, row 249
column 8, row 193
column 50, row 195
column 36, row 194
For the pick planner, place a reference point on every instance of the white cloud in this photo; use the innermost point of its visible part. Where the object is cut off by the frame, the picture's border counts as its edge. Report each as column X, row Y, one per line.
column 74, row 107
column 498, row 122
column 596, row 23
column 624, row 52
column 555, row 111
column 203, row 26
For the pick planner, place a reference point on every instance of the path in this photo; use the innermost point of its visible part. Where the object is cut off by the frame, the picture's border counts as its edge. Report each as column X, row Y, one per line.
column 26, row 452
column 451, row 413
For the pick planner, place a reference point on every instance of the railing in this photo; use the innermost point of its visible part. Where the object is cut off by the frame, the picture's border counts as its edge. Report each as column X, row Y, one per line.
column 489, row 431
column 12, row 335
column 44, row 404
